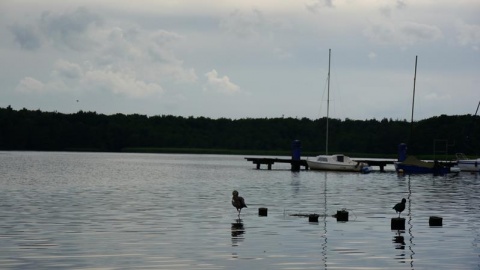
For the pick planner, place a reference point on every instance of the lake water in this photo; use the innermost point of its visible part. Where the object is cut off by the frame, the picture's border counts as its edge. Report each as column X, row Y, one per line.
column 155, row 211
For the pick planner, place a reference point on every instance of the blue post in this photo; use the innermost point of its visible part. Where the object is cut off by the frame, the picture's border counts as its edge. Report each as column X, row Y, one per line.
column 296, row 153
column 402, row 152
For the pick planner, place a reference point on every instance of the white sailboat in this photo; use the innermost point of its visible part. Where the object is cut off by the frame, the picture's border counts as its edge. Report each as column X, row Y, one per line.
column 337, row 162
column 465, row 164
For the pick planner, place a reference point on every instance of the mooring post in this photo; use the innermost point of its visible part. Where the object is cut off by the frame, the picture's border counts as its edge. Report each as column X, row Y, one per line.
column 313, row 218
column 435, row 221
column 262, row 211
column 342, row 215
column 397, row 224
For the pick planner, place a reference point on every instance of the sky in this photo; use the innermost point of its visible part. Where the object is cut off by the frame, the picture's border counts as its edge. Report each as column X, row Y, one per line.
column 242, row 59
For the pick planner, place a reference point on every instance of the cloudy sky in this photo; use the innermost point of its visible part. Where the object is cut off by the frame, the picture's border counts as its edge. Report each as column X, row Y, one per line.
column 241, row 59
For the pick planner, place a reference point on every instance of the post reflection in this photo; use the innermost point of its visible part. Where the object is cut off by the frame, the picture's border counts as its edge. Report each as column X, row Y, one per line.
column 399, row 241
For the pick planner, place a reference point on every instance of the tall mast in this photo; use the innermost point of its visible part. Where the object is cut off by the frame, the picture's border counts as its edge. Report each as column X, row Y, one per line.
column 328, row 99
column 413, row 100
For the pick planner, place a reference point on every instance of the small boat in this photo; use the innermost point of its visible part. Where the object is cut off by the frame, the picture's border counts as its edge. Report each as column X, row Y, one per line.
column 467, row 165
column 411, row 164
column 337, row 162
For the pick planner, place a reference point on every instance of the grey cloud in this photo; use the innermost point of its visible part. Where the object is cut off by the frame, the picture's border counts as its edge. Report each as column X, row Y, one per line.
column 315, row 5
column 70, row 29
column 68, row 70
column 26, row 36
column 421, row 32
column 401, row 4
column 403, row 33
column 244, row 24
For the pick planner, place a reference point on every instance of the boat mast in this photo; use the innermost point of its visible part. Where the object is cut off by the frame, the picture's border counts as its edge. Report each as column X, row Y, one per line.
column 328, row 98
column 413, row 100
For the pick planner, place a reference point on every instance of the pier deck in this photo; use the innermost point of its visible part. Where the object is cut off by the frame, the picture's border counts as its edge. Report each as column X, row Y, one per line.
column 381, row 163
column 270, row 161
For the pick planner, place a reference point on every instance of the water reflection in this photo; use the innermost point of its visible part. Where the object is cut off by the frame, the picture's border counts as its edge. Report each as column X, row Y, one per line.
column 399, row 241
column 237, row 232
column 325, row 240
column 295, row 182
column 410, row 225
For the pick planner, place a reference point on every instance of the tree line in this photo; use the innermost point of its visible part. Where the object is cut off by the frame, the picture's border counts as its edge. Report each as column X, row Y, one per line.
column 88, row 131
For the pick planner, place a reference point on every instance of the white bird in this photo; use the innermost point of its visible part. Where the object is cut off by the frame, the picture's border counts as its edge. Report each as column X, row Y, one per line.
column 238, row 202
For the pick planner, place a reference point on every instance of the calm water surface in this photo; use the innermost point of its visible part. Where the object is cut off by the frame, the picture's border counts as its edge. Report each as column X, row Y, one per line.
column 149, row 211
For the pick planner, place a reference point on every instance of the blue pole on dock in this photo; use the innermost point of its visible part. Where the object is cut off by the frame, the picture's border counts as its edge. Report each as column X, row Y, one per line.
column 402, row 152
column 296, row 154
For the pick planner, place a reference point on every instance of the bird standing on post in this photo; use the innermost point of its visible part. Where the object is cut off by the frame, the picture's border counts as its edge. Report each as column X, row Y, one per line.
column 399, row 207
column 238, row 202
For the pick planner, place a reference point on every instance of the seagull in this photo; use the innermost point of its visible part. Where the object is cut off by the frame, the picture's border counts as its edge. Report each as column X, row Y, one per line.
column 238, row 202
column 399, row 207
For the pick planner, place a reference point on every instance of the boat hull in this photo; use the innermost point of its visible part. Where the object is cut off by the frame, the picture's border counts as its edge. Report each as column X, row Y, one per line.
column 336, row 163
column 414, row 169
column 313, row 165
column 469, row 165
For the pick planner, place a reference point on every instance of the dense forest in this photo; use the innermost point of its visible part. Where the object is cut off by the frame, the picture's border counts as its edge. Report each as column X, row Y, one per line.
column 88, row 131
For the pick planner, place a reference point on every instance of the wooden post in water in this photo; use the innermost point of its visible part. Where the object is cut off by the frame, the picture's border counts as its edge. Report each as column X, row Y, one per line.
column 262, row 211
column 435, row 221
column 342, row 215
column 397, row 224
column 313, row 218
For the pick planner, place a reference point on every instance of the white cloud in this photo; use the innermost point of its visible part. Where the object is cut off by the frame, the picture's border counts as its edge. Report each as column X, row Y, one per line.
column 468, row 34
column 30, row 85
column 121, row 83
column 220, row 85
column 124, row 60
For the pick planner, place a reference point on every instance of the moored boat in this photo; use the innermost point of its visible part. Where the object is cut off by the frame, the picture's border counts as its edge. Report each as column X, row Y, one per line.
column 337, row 162
column 467, row 165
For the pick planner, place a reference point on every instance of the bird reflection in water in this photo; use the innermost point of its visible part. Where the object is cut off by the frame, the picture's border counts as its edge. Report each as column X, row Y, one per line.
column 237, row 232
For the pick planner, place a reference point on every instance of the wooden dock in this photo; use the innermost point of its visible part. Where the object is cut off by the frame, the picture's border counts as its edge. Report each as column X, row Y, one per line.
column 381, row 163
column 270, row 161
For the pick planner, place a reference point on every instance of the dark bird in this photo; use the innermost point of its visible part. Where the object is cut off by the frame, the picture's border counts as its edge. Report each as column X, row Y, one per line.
column 238, row 202
column 399, row 207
